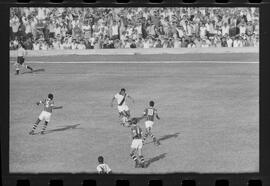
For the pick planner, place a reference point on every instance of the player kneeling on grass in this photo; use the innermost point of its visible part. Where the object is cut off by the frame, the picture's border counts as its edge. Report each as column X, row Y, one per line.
column 45, row 114
column 136, row 145
column 20, row 59
column 102, row 167
column 150, row 113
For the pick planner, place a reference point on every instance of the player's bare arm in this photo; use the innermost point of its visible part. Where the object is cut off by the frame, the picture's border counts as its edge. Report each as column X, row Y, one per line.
column 112, row 101
column 57, row 107
column 157, row 116
column 131, row 98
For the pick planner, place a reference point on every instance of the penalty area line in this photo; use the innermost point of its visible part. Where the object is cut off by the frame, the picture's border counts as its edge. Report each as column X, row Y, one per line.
column 146, row 62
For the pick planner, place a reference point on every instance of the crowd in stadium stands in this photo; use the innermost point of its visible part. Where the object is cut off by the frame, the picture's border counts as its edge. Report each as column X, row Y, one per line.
column 96, row 28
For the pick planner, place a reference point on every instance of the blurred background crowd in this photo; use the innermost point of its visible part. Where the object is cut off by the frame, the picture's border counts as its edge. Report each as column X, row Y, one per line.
column 101, row 28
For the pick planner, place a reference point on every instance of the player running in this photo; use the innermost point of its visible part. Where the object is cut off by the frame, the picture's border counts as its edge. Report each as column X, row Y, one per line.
column 21, row 53
column 150, row 113
column 136, row 145
column 124, row 112
column 45, row 114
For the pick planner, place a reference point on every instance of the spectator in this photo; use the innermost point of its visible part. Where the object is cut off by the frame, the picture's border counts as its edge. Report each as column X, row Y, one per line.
column 120, row 27
column 115, row 30
column 102, row 167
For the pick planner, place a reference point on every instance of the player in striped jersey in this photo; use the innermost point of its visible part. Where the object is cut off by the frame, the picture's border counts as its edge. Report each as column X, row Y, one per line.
column 20, row 59
column 45, row 114
column 150, row 113
column 102, row 167
column 136, row 145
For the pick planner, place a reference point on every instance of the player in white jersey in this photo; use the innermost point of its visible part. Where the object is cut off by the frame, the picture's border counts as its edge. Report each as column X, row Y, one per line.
column 102, row 167
column 21, row 53
column 45, row 114
column 150, row 113
column 124, row 112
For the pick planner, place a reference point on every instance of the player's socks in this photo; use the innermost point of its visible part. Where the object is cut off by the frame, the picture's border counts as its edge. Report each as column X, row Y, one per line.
column 141, row 158
column 142, row 161
column 156, row 142
column 17, row 71
column 44, row 127
column 145, row 136
column 133, row 156
column 35, row 125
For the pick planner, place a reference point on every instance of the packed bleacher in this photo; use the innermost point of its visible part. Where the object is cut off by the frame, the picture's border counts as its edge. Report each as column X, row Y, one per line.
column 101, row 28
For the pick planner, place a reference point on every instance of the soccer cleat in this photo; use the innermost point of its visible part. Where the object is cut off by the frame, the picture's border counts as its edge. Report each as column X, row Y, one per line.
column 157, row 143
column 42, row 132
column 137, row 164
column 143, row 165
column 31, row 132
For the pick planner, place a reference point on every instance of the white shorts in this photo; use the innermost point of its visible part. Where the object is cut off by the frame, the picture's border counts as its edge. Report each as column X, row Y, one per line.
column 122, row 108
column 136, row 144
column 149, row 124
column 44, row 115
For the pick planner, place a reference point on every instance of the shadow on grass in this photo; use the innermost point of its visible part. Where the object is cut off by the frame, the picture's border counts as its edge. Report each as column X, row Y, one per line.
column 168, row 136
column 165, row 137
column 67, row 127
column 33, row 71
column 154, row 159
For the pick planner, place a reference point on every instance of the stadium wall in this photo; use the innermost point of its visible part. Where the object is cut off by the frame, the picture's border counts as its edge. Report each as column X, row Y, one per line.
column 138, row 51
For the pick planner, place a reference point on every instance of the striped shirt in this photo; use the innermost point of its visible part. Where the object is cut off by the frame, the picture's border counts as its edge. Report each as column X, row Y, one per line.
column 150, row 113
column 136, row 132
column 48, row 105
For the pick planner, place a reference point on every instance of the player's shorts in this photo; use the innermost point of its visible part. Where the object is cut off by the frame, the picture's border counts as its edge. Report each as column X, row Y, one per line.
column 122, row 108
column 20, row 60
column 136, row 144
column 44, row 115
column 149, row 124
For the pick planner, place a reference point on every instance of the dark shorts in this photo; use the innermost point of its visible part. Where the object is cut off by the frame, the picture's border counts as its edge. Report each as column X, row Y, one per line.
column 20, row 60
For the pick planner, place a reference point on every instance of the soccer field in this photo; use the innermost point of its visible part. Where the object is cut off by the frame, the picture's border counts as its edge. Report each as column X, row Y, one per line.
column 209, row 117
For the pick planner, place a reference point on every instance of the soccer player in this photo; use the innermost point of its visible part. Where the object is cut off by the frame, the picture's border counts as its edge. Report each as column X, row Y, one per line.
column 123, row 109
column 102, row 167
column 45, row 114
column 136, row 145
column 150, row 113
column 20, row 59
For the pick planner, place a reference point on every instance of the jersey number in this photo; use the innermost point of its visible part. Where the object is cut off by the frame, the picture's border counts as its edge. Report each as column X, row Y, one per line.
column 150, row 112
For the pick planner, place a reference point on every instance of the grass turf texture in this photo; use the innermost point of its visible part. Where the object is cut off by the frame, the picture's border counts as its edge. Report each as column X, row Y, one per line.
column 209, row 117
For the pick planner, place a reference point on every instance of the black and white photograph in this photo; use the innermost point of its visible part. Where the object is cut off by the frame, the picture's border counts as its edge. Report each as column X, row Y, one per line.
column 134, row 90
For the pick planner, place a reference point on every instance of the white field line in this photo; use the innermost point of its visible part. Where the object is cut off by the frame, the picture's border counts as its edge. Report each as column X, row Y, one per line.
column 144, row 62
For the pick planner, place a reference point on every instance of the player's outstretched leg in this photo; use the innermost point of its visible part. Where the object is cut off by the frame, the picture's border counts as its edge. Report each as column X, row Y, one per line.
column 17, row 68
column 134, row 157
column 127, row 113
column 156, row 142
column 44, row 127
column 17, row 71
column 28, row 67
column 34, row 127
column 145, row 135
column 142, row 161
